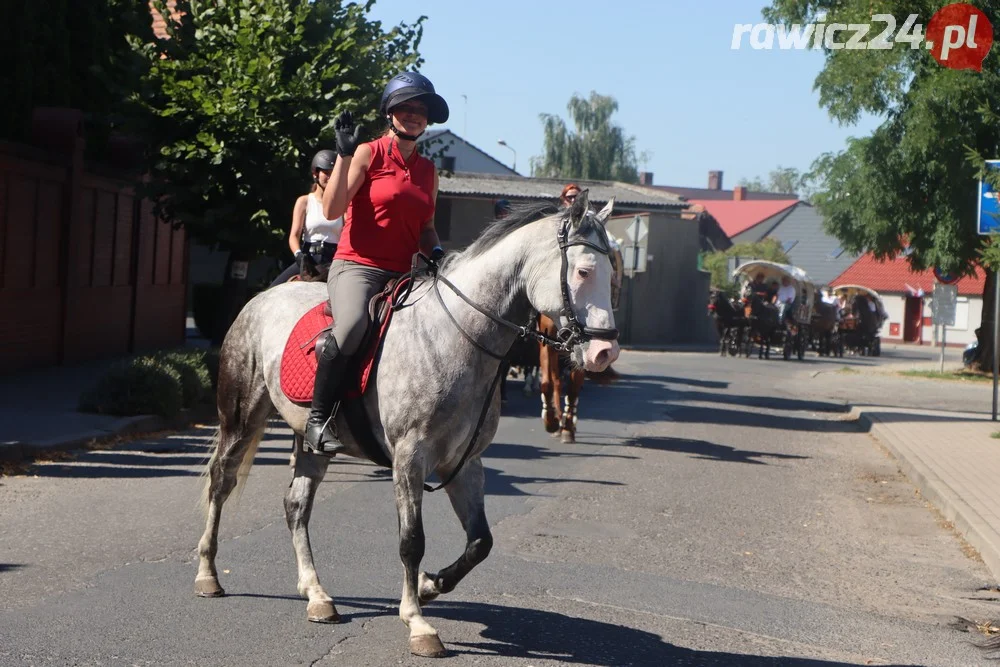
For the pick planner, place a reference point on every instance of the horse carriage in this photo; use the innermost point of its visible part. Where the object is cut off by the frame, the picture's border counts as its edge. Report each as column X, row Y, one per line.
column 765, row 326
column 861, row 320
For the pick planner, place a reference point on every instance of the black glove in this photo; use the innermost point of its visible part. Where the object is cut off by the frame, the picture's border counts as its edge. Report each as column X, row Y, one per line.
column 307, row 265
column 348, row 136
column 437, row 254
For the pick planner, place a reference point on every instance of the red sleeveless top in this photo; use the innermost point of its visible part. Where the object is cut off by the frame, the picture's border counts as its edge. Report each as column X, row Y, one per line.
column 384, row 220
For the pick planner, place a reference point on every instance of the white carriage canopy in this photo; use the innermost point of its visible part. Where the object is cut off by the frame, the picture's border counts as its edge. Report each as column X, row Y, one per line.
column 773, row 271
column 852, row 290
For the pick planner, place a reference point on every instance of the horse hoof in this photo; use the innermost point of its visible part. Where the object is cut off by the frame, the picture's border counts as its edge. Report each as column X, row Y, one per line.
column 427, row 646
column 567, row 437
column 208, row 588
column 322, row 611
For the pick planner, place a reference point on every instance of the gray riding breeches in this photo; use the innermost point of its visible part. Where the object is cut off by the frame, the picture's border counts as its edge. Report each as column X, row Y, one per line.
column 351, row 286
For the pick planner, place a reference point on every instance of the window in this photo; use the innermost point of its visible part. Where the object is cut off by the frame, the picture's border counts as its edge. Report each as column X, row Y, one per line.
column 961, row 314
column 835, row 253
column 448, row 163
column 788, row 245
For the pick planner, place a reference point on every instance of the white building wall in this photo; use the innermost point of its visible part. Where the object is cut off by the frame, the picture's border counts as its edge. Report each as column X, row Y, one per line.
column 467, row 158
column 968, row 316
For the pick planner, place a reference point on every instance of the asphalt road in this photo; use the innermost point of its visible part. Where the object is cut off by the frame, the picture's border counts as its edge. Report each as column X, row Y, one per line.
column 714, row 512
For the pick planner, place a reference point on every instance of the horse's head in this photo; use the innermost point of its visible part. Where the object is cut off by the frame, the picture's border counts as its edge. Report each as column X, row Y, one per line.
column 578, row 297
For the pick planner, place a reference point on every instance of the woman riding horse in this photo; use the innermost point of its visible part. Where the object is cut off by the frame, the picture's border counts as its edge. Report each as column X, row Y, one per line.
column 430, row 406
column 388, row 192
column 313, row 238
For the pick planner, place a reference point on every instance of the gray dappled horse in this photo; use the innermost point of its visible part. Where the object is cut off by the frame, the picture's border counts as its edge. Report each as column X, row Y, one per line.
column 437, row 366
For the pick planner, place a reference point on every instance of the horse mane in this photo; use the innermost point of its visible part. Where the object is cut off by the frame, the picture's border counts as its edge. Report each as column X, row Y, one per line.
column 521, row 215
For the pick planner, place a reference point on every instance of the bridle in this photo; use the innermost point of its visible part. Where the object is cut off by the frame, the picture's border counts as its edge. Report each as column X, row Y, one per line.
column 576, row 331
column 573, row 333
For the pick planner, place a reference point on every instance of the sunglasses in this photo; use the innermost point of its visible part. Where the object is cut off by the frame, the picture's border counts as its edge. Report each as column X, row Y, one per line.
column 570, row 197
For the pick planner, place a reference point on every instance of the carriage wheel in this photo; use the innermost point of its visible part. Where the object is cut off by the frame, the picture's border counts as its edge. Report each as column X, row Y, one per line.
column 735, row 341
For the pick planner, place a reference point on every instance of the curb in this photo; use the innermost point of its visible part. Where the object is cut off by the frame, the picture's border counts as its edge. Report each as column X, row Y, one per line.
column 966, row 520
column 125, row 426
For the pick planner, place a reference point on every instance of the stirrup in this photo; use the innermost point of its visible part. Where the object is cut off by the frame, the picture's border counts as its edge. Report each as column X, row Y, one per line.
column 328, row 440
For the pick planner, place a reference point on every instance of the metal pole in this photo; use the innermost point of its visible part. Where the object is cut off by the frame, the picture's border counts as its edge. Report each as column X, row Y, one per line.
column 944, row 336
column 631, row 278
column 996, row 335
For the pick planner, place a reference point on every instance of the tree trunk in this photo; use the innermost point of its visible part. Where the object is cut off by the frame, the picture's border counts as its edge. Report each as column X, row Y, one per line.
column 235, row 292
column 985, row 332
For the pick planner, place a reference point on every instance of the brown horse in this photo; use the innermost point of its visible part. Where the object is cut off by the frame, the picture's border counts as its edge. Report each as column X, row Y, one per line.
column 558, row 411
column 823, row 327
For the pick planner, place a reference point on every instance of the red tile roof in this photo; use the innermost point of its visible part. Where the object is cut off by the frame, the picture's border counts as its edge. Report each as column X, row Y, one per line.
column 735, row 217
column 159, row 25
column 894, row 275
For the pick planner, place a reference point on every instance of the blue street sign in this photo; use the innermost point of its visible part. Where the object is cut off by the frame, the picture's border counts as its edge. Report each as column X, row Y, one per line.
column 944, row 277
column 989, row 207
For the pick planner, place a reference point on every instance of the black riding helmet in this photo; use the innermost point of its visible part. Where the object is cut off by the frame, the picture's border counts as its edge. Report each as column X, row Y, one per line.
column 323, row 160
column 411, row 86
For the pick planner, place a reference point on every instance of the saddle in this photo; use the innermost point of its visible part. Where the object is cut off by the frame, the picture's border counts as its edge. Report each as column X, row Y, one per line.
column 298, row 363
column 298, row 360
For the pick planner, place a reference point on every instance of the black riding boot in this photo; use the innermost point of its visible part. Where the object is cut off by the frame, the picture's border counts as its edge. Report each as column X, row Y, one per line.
column 320, row 434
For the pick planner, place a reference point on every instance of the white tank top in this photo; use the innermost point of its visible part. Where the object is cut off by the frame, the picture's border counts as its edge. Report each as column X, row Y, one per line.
column 318, row 228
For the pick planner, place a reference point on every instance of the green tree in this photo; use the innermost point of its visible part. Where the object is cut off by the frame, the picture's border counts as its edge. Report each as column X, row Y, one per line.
column 787, row 180
column 913, row 181
column 717, row 263
column 235, row 102
column 239, row 97
column 595, row 149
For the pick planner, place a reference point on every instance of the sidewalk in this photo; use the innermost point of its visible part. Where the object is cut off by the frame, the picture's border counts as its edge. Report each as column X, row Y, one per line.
column 38, row 409
column 955, row 464
column 38, row 412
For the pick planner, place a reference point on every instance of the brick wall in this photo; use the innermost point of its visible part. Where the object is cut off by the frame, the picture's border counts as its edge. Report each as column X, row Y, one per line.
column 86, row 271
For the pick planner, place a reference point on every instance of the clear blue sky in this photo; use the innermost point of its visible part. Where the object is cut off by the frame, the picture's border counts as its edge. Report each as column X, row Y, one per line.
column 689, row 99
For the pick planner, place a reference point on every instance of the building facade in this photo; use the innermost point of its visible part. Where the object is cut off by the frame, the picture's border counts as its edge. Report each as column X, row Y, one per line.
column 908, row 299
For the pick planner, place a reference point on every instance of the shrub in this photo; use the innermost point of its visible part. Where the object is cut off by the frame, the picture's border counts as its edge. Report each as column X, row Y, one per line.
column 196, row 383
column 139, row 386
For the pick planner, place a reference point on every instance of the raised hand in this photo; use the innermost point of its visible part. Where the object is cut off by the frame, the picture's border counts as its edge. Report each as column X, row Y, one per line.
column 348, row 135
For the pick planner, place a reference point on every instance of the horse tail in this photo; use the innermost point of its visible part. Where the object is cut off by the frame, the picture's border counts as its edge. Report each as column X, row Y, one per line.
column 246, row 462
column 206, row 472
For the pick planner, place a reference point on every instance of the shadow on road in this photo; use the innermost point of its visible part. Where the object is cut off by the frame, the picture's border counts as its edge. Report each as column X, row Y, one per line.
column 577, row 641
column 700, row 449
column 525, row 452
column 500, row 483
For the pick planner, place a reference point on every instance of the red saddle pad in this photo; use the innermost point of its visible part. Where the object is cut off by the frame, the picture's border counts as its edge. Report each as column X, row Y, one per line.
column 298, row 361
